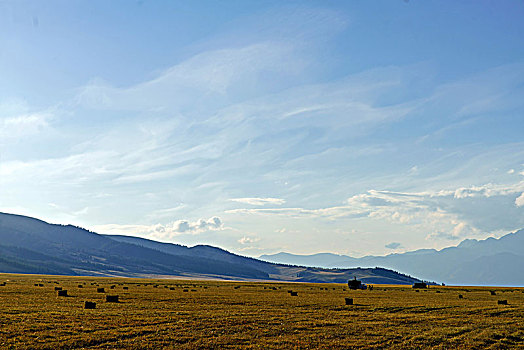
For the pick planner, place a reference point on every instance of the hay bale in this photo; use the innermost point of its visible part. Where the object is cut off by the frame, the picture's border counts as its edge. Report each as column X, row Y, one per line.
column 62, row 293
column 185, row 290
column 460, row 296
column 89, row 305
column 100, row 290
column 80, row 286
column 126, row 288
column 294, row 294
column 172, row 288
column 237, row 287
column 502, row 302
column 112, row 298
column 349, row 301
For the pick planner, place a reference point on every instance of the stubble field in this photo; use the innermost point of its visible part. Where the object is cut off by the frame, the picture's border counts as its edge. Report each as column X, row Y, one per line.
column 180, row 314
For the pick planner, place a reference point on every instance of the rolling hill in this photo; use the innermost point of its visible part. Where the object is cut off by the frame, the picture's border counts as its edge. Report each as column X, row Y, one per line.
column 29, row 245
column 474, row 262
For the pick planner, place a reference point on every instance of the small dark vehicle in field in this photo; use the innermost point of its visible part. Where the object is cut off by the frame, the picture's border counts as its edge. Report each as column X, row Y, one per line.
column 356, row 284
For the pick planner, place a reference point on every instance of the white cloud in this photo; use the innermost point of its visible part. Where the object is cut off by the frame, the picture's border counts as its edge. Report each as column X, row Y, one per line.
column 259, row 201
column 23, row 125
column 447, row 214
column 519, row 202
column 487, row 190
column 248, row 240
column 163, row 232
column 184, row 226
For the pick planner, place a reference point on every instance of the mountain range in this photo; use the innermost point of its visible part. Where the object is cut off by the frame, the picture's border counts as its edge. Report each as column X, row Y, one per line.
column 473, row 262
column 29, row 245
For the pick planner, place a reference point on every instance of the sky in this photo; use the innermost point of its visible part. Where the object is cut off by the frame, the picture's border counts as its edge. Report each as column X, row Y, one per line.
column 350, row 127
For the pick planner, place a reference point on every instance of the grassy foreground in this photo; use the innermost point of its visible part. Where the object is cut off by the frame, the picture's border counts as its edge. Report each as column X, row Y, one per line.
column 156, row 314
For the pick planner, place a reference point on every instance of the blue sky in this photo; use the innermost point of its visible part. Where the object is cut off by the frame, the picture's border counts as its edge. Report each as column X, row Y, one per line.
column 262, row 126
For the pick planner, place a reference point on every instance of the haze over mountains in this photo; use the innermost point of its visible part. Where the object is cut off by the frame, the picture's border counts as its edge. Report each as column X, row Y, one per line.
column 29, row 245
column 485, row 262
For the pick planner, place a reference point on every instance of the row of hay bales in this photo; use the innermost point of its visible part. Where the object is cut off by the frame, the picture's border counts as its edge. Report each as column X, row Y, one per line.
column 111, row 298
column 115, row 298
column 88, row 304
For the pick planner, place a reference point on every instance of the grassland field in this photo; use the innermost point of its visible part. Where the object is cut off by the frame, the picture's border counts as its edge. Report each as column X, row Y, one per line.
column 182, row 314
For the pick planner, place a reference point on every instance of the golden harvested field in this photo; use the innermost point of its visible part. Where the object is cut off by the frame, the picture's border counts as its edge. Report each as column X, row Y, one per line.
column 155, row 314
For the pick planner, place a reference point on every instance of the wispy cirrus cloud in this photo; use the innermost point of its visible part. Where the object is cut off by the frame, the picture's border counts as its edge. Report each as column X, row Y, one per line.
column 210, row 77
column 259, row 201
column 23, row 125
